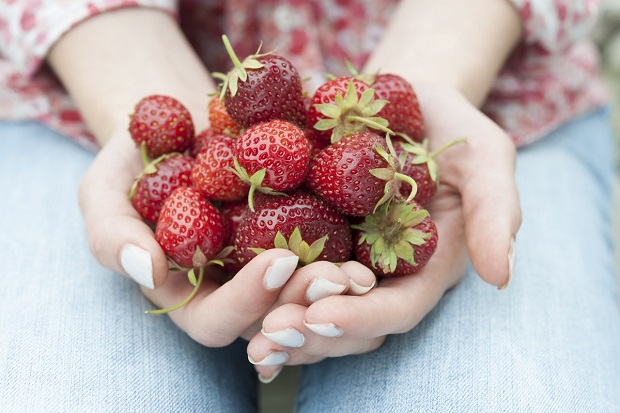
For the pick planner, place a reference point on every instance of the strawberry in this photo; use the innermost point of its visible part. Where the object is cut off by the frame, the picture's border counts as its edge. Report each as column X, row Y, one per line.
column 299, row 221
column 403, row 111
column 420, row 165
column 157, row 180
column 396, row 241
column 233, row 213
column 344, row 106
column 261, row 88
column 220, row 120
column 272, row 156
column 200, row 140
column 357, row 174
column 162, row 124
column 212, row 174
column 190, row 230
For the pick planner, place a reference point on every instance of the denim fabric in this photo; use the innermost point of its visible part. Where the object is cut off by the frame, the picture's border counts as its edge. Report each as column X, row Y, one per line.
column 549, row 343
column 74, row 338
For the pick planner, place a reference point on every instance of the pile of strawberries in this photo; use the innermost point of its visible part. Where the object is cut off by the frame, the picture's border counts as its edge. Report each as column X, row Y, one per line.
column 342, row 174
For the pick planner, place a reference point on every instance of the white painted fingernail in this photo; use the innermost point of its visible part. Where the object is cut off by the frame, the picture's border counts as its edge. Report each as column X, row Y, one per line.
column 268, row 380
column 280, row 271
column 272, row 359
column 325, row 330
column 357, row 289
column 321, row 288
column 138, row 264
column 289, row 337
column 512, row 263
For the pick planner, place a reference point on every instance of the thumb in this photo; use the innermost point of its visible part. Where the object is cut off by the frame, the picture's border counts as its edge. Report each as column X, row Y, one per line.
column 492, row 213
column 118, row 237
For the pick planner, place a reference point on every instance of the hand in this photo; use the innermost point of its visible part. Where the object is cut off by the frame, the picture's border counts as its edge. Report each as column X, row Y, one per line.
column 477, row 214
column 218, row 314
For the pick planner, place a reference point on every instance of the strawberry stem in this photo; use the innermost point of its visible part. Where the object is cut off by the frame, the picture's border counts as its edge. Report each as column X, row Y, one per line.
column 145, row 157
column 201, row 274
column 370, row 123
column 446, row 146
column 231, row 52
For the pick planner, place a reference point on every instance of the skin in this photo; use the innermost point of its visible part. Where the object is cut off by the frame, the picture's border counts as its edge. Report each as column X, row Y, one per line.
column 477, row 213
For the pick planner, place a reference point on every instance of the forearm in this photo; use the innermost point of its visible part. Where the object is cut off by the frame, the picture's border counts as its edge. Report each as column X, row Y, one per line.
column 457, row 43
column 109, row 62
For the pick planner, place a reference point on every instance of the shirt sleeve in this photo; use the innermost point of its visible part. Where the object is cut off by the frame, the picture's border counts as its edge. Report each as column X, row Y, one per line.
column 29, row 28
column 555, row 25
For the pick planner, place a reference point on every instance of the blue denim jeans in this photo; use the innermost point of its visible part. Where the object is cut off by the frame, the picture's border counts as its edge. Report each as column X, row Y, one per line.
column 74, row 338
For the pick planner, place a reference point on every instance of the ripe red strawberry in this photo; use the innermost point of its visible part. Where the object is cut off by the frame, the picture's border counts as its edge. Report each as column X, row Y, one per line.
column 261, row 88
column 155, row 183
column 162, row 124
column 200, row 140
column 344, row 106
column 220, row 120
column 308, row 226
column 403, row 111
column 190, row 230
column 356, row 174
column 212, row 173
column 233, row 213
column 272, row 156
column 396, row 241
column 420, row 165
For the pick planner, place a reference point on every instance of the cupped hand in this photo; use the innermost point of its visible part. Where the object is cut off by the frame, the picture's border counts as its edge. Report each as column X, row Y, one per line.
column 220, row 312
column 477, row 213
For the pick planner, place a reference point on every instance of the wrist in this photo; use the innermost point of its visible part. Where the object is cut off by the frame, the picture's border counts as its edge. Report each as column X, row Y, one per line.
column 111, row 61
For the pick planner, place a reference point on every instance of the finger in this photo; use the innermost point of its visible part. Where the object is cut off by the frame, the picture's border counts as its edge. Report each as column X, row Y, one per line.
column 492, row 210
column 284, row 340
column 118, row 237
column 218, row 315
column 361, row 278
column 313, row 282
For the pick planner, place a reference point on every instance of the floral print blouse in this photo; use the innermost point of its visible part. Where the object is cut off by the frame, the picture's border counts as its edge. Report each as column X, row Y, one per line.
column 550, row 78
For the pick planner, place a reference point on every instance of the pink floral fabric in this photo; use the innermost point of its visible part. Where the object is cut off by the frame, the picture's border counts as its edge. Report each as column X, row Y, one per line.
column 550, row 78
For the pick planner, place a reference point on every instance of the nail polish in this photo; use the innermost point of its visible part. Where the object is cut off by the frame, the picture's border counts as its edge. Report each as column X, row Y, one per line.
column 267, row 380
column 321, row 288
column 289, row 337
column 280, row 271
column 512, row 263
column 138, row 264
column 357, row 289
column 272, row 359
column 325, row 330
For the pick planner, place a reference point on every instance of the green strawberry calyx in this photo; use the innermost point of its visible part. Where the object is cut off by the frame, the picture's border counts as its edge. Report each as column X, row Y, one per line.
column 350, row 114
column 255, row 181
column 392, row 234
column 150, row 167
column 392, row 175
column 423, row 156
column 230, row 81
column 307, row 253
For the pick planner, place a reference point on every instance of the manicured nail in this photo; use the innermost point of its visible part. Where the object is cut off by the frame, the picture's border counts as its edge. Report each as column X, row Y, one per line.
column 512, row 262
column 357, row 289
column 321, row 288
column 268, row 380
column 138, row 264
column 272, row 359
column 325, row 330
column 280, row 271
column 289, row 337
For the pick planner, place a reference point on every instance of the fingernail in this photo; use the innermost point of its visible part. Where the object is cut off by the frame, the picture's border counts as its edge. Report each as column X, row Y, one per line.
column 268, row 380
column 272, row 359
column 321, row 288
column 138, row 264
column 289, row 337
column 280, row 271
column 360, row 289
column 325, row 330
column 512, row 261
